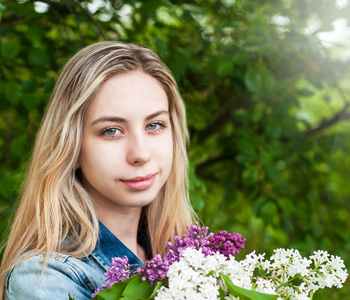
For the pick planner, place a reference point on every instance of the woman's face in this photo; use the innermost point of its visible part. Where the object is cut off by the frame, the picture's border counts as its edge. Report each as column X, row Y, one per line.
column 127, row 148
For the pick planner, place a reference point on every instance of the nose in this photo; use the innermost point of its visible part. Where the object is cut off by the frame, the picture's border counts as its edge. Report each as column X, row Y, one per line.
column 139, row 152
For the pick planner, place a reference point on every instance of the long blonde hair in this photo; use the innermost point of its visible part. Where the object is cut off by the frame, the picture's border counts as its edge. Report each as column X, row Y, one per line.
column 54, row 206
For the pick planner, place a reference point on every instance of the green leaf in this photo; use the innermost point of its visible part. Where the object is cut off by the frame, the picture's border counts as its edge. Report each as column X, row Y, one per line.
column 250, row 176
column 258, row 204
column 247, row 152
column 138, row 289
column 269, row 80
column 156, row 288
column 225, row 67
column 246, row 294
column 35, row 34
column 114, row 292
column 244, row 158
column 273, row 130
column 133, row 288
column 253, row 80
column 273, row 173
column 29, row 85
column 222, row 294
column 29, row 101
column 239, row 3
column 10, row 48
column 39, row 56
column 246, row 147
column 268, row 212
column 149, row 7
column 12, row 91
column 241, row 58
column 18, row 143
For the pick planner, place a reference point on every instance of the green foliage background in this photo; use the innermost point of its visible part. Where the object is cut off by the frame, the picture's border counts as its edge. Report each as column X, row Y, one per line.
column 267, row 103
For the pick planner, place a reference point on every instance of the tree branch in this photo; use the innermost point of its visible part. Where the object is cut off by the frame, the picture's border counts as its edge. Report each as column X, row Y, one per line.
column 92, row 19
column 218, row 123
column 58, row 16
column 342, row 115
column 72, row 11
column 211, row 160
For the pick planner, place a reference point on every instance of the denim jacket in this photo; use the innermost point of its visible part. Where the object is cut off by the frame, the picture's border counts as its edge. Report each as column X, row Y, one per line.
column 66, row 274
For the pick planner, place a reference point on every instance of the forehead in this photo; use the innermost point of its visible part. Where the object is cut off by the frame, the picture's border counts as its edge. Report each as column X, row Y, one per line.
column 130, row 95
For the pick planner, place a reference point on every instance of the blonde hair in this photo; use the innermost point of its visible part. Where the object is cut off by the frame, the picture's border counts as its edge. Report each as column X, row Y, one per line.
column 54, row 206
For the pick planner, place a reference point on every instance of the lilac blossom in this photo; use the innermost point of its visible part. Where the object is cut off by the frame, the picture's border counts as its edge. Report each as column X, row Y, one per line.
column 118, row 270
column 196, row 238
column 208, row 243
column 227, row 243
column 154, row 269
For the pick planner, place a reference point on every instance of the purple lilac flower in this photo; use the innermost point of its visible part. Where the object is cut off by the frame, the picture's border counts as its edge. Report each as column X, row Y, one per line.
column 154, row 269
column 118, row 270
column 196, row 237
column 209, row 243
column 227, row 243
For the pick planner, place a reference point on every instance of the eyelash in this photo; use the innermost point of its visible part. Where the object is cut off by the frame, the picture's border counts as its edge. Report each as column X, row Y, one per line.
column 161, row 124
column 104, row 131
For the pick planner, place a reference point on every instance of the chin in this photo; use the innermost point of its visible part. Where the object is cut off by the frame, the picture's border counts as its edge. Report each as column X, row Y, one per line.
column 142, row 202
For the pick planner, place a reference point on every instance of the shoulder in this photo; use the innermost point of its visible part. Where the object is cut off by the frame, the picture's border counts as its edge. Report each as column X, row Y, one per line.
column 62, row 275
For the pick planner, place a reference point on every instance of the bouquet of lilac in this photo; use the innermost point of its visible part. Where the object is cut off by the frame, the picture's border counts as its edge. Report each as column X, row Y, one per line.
column 202, row 265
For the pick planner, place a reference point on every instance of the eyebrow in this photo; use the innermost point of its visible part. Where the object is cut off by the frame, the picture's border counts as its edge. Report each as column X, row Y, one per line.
column 122, row 120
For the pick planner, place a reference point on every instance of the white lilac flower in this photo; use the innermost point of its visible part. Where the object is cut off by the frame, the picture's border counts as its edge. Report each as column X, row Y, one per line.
column 189, row 277
column 329, row 270
column 195, row 264
column 251, row 261
column 265, row 286
column 300, row 296
column 320, row 256
column 238, row 274
column 196, row 276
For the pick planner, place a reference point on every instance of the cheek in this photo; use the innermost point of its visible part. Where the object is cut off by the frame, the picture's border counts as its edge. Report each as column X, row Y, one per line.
column 96, row 158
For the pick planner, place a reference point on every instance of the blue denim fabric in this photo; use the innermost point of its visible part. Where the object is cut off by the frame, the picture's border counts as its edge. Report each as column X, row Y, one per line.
column 66, row 274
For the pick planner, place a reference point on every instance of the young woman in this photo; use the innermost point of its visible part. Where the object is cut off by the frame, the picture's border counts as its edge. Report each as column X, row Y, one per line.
column 108, row 175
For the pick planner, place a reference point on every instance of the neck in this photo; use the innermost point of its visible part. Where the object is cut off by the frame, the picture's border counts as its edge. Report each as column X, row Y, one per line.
column 124, row 225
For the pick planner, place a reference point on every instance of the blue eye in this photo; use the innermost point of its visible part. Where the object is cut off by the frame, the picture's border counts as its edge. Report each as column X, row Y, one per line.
column 152, row 126
column 155, row 126
column 111, row 131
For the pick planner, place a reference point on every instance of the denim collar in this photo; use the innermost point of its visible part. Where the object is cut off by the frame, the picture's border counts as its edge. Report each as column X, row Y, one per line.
column 108, row 246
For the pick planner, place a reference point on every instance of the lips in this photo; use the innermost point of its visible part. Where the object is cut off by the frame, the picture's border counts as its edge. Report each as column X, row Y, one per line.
column 140, row 183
